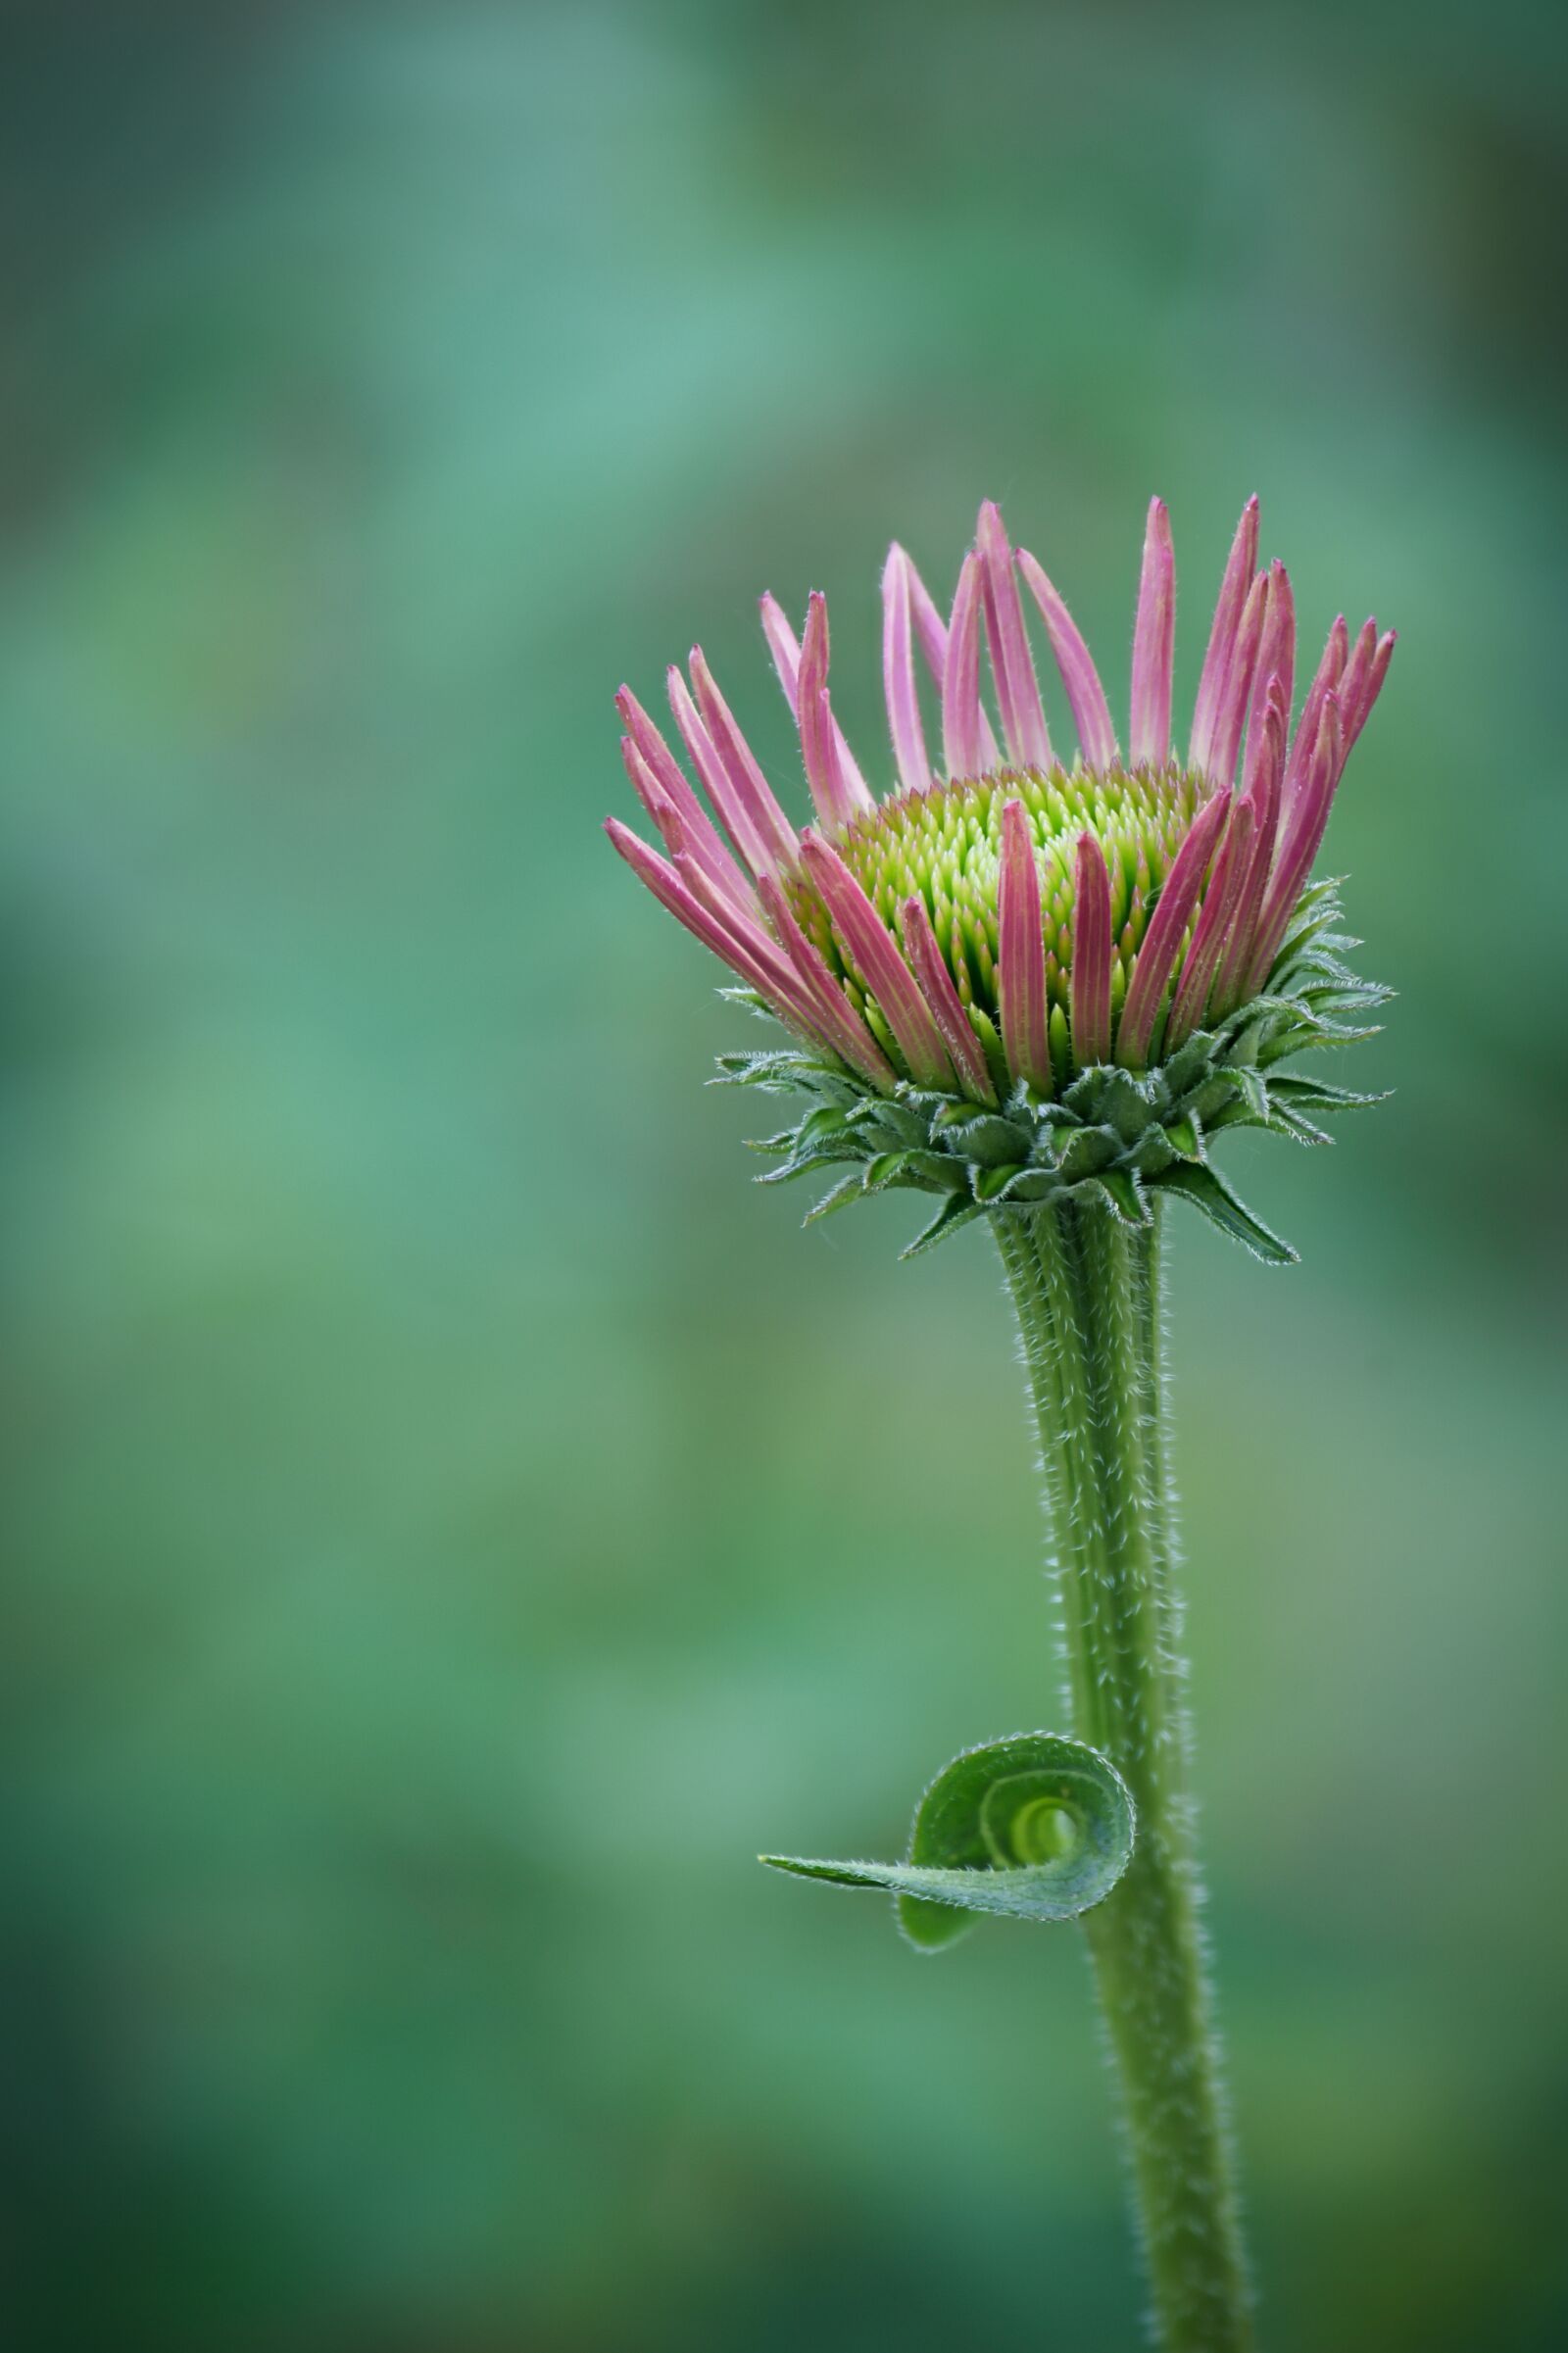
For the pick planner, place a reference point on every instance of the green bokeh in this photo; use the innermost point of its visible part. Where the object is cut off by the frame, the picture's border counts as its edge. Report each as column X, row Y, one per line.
column 454, row 1522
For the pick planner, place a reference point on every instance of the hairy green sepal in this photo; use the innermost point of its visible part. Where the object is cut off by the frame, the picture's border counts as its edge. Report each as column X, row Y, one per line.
column 1033, row 1828
column 1112, row 1136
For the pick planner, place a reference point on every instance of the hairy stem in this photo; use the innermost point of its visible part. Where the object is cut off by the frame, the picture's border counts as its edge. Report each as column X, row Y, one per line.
column 1086, row 1289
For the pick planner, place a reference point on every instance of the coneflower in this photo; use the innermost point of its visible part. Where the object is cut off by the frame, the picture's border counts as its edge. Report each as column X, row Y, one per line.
column 1040, row 990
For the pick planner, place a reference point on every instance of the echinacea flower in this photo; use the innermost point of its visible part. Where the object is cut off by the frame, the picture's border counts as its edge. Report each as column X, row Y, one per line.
column 1039, row 989
column 1104, row 952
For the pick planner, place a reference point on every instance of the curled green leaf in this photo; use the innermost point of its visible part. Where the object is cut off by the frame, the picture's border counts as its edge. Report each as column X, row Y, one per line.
column 1033, row 1828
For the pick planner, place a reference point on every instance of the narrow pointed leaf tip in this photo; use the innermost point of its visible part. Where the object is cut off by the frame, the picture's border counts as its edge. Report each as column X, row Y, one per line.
column 1036, row 1827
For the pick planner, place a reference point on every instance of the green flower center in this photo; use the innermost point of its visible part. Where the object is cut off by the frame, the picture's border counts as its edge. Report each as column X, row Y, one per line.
column 944, row 846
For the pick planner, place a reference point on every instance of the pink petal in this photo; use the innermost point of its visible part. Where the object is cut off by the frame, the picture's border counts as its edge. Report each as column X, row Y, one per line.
column 921, row 946
column 653, row 747
column 782, row 644
column 876, row 953
column 844, row 1028
column 1238, row 689
column 1090, row 712
column 1276, row 650
column 765, row 972
column 743, row 928
column 929, row 627
column 651, row 794
column 834, row 805
column 800, row 978
column 1309, row 821
column 931, row 631
column 1350, row 689
column 961, row 677
column 1208, row 937
column 1357, row 671
column 1156, row 957
column 1153, row 643
column 817, row 747
column 1354, row 720
column 836, row 783
column 898, row 676
column 732, row 809
column 750, row 785
column 1239, row 568
column 1329, row 671
column 1265, row 798
column 1090, row 955
column 787, row 657
column 663, row 783
column 1023, row 717
column 1022, row 955
column 1269, row 694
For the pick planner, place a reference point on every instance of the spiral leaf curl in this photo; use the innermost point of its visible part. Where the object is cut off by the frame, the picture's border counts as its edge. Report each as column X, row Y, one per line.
column 1036, row 1827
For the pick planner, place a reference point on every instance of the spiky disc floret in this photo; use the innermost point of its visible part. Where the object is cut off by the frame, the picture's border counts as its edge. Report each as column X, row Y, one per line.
column 1014, row 978
column 940, row 850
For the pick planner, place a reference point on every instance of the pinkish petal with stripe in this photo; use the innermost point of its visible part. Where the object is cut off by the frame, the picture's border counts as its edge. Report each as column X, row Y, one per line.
column 752, row 787
column 876, row 954
column 930, row 969
column 898, row 673
column 1090, row 953
column 1201, row 961
column 960, row 676
column 1090, row 712
column 1153, row 643
column 1156, row 957
column 1023, row 717
column 1240, row 567
column 1022, row 955
column 1237, row 694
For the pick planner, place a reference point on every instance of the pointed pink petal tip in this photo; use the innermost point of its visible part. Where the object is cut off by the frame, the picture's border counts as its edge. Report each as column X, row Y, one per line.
column 898, row 673
column 1240, row 565
column 838, row 788
column 1023, row 717
column 1090, row 712
column 1153, row 643
column 960, row 676
column 782, row 644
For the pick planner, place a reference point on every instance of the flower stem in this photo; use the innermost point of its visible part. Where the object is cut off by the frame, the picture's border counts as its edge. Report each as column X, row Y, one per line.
column 1086, row 1287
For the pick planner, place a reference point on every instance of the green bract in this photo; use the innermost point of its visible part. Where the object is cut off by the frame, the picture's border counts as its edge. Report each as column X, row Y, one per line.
column 1113, row 1136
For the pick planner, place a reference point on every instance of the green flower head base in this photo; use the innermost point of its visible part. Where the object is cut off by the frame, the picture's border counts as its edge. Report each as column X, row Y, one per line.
column 1013, row 979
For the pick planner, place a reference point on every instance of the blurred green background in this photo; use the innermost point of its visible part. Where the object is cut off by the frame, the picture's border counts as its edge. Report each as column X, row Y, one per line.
column 454, row 1521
